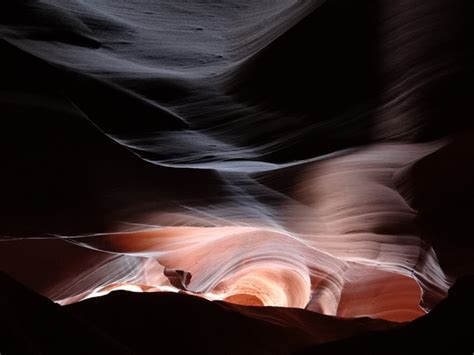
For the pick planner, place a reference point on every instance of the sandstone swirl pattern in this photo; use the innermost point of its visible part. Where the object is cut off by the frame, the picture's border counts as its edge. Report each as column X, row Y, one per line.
column 236, row 151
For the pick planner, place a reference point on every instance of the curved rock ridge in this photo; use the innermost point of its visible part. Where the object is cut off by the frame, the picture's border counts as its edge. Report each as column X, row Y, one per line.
column 304, row 154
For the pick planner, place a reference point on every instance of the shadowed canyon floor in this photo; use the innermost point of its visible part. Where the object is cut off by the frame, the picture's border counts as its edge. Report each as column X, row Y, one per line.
column 149, row 323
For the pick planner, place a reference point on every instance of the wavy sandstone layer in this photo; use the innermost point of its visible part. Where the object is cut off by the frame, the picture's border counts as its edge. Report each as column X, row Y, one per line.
column 306, row 154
